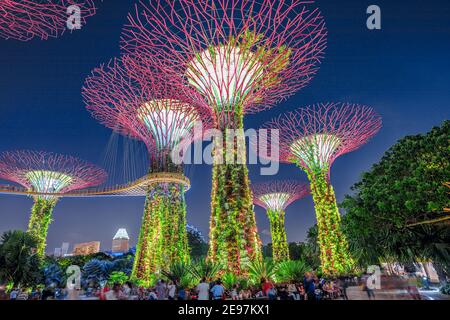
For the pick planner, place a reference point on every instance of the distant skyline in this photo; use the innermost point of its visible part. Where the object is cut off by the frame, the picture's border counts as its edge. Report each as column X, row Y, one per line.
column 402, row 71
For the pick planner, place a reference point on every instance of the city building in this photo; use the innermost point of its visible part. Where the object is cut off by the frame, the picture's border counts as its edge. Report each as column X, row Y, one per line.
column 57, row 252
column 120, row 241
column 64, row 249
column 82, row 249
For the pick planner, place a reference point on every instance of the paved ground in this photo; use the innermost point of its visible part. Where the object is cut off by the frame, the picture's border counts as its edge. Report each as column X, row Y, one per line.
column 434, row 295
column 356, row 293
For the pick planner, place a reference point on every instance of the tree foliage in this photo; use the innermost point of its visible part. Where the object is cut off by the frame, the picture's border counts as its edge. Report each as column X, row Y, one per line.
column 96, row 271
column 292, row 270
column 405, row 187
column 197, row 244
column 117, row 277
column 19, row 261
column 53, row 275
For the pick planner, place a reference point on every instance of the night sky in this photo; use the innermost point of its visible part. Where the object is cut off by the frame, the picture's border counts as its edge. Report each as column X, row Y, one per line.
column 402, row 71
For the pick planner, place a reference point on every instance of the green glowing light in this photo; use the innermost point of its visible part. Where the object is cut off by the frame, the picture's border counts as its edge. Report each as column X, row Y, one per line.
column 48, row 181
column 224, row 74
column 168, row 120
column 163, row 236
column 275, row 201
column 316, row 150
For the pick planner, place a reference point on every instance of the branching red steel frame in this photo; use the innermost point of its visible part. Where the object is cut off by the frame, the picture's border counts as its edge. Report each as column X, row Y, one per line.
column 173, row 32
column 14, row 165
column 295, row 189
column 27, row 19
column 353, row 124
column 113, row 93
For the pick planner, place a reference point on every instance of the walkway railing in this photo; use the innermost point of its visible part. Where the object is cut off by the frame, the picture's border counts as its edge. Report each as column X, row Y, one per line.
column 136, row 188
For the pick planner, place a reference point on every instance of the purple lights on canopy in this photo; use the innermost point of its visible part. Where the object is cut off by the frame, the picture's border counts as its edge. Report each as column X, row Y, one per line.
column 278, row 194
column 27, row 19
column 314, row 136
column 237, row 54
column 49, row 172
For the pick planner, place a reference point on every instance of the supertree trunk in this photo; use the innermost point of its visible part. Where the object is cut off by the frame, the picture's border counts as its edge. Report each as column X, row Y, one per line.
column 280, row 248
column 142, row 268
column 163, row 236
column 173, row 241
column 40, row 218
column 234, row 239
column 334, row 252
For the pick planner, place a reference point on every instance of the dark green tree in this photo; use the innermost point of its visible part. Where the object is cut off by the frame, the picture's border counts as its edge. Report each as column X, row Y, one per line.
column 95, row 271
column 396, row 211
column 19, row 261
column 53, row 275
column 311, row 252
column 197, row 244
column 267, row 250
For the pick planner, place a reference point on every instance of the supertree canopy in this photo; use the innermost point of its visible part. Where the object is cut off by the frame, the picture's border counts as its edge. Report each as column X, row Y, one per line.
column 48, row 175
column 275, row 196
column 27, row 19
column 313, row 137
column 241, row 56
column 143, row 104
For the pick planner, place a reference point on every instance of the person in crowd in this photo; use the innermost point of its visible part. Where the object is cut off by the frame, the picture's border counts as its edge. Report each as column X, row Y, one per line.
column 141, row 293
column 212, row 283
column 282, row 293
column 217, row 290
column 22, row 295
column 161, row 290
column 171, row 290
column 126, row 289
column 308, row 284
column 343, row 285
column 266, row 285
column 3, row 295
column 301, row 291
column 13, row 294
column 47, row 293
column 292, row 291
column 193, row 294
column 234, row 292
column 245, row 294
column 112, row 294
column 182, row 294
column 102, row 292
column 152, row 295
column 368, row 289
column 412, row 288
column 203, row 289
column 318, row 288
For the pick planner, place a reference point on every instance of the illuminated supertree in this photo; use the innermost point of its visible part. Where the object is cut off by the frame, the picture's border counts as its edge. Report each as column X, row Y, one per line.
column 275, row 196
column 26, row 19
column 313, row 137
column 143, row 104
column 46, row 174
column 241, row 56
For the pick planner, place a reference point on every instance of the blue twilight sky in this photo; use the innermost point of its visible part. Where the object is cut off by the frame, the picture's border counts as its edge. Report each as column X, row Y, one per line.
column 403, row 71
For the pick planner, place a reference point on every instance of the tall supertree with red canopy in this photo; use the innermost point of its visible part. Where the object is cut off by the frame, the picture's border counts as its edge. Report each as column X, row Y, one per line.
column 47, row 174
column 313, row 137
column 143, row 104
column 242, row 56
column 275, row 197
column 27, row 19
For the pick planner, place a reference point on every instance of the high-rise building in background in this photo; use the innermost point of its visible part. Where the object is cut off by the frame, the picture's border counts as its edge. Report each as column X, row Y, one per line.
column 83, row 249
column 57, row 252
column 64, row 249
column 120, row 241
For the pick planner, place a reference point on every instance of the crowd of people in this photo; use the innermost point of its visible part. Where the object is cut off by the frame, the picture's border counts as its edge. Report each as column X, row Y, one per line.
column 311, row 288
